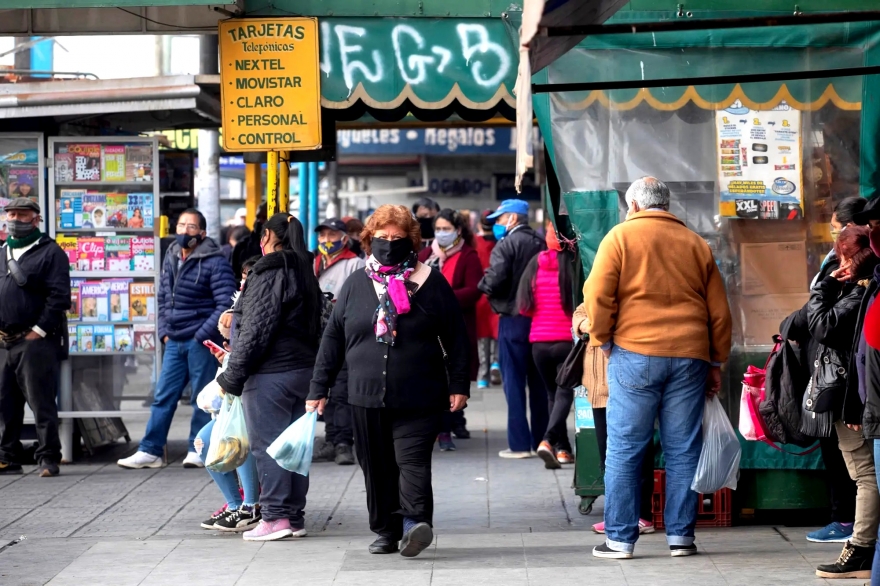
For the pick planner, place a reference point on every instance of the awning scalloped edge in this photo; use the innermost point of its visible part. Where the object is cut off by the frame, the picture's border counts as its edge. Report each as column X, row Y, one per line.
column 692, row 95
column 455, row 94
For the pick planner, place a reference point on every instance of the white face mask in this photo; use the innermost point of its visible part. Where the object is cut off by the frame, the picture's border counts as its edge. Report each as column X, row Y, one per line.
column 446, row 239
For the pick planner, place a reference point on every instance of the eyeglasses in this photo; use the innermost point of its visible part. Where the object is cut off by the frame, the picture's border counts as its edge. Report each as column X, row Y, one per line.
column 188, row 227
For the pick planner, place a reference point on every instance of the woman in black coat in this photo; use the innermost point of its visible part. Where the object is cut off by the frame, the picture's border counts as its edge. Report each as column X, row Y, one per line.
column 833, row 317
column 399, row 327
column 273, row 353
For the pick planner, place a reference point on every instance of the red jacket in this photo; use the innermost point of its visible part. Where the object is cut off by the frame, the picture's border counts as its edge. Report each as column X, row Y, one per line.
column 487, row 320
column 465, row 279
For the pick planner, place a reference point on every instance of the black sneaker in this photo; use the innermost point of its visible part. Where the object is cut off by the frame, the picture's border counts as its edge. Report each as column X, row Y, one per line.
column 9, row 468
column 461, row 432
column 48, row 468
column 344, row 455
column 603, row 551
column 680, row 551
column 383, row 545
column 854, row 562
column 219, row 514
column 244, row 518
column 416, row 540
column 326, row 453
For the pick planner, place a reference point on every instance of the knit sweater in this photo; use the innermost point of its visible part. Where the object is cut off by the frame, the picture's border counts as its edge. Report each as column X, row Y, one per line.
column 549, row 321
column 655, row 290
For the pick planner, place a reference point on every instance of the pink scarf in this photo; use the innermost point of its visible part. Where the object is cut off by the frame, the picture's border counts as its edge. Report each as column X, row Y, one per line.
column 441, row 255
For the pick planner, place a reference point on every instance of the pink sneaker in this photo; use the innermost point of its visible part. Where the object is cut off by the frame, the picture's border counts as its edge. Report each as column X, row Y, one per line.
column 273, row 530
column 645, row 527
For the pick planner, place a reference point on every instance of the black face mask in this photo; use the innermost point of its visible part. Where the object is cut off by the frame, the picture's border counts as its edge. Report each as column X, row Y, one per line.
column 391, row 252
column 19, row 229
column 426, row 225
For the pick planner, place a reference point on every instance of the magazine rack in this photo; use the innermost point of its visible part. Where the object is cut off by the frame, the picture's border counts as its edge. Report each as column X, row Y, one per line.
column 22, row 171
column 103, row 210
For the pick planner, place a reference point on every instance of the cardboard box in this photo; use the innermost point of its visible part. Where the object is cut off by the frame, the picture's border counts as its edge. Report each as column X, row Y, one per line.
column 774, row 268
column 743, row 231
column 758, row 317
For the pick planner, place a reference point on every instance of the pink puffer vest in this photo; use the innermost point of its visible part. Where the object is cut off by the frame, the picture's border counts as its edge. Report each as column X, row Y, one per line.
column 549, row 321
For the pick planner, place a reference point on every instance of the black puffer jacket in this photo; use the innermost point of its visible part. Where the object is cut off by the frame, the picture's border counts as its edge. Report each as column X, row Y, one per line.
column 506, row 266
column 278, row 324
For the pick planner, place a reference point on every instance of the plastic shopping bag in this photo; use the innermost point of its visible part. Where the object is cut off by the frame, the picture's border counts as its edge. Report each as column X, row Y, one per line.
column 229, row 439
column 210, row 398
column 293, row 448
column 719, row 461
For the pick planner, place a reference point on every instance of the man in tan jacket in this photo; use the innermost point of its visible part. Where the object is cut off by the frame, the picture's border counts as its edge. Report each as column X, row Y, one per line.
column 659, row 311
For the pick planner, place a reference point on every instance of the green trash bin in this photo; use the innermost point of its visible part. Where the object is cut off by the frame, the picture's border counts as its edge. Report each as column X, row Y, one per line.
column 589, row 478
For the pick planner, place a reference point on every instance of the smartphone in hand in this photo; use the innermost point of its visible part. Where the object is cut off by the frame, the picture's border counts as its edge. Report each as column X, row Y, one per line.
column 214, row 347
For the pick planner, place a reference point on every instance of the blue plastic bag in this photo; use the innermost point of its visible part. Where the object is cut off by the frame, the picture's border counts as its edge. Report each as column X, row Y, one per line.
column 229, row 439
column 293, row 448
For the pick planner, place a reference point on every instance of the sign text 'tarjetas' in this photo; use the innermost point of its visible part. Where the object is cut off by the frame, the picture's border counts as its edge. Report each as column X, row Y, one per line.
column 271, row 87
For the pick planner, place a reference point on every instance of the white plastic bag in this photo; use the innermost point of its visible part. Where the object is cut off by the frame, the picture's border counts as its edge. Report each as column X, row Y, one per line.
column 229, row 438
column 293, row 448
column 719, row 461
column 210, row 398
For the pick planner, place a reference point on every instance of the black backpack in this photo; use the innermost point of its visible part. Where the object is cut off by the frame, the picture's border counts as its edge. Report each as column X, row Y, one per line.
column 786, row 381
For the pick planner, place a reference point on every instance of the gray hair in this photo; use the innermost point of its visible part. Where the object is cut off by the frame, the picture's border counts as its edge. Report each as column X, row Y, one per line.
column 648, row 192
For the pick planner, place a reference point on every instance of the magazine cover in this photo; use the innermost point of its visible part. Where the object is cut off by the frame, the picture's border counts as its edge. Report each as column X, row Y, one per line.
column 113, row 162
column 119, row 305
column 139, row 162
column 122, row 339
column 24, row 182
column 86, row 162
column 143, row 253
column 85, row 338
column 93, row 298
column 94, row 210
column 68, row 245
column 103, row 338
column 71, row 213
column 64, row 165
column 117, row 253
column 72, row 345
column 144, row 337
column 140, row 210
column 90, row 254
column 75, row 313
column 142, row 298
column 117, row 210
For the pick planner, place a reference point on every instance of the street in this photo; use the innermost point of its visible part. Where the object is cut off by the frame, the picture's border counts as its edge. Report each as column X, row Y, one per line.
column 497, row 521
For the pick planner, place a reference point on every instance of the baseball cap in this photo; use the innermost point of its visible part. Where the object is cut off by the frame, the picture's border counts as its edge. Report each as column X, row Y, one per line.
column 871, row 212
column 23, row 203
column 510, row 206
column 333, row 224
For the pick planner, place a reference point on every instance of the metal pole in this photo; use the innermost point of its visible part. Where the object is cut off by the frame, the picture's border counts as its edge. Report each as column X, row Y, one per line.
column 313, row 206
column 253, row 181
column 303, row 193
column 209, row 180
column 284, row 182
column 333, row 203
column 272, row 182
column 65, row 403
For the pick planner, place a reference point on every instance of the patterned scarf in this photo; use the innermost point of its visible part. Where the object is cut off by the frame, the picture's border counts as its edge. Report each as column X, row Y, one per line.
column 394, row 299
column 440, row 255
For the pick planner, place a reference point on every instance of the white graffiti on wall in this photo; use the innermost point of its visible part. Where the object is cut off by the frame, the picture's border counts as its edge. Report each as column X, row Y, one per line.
column 488, row 61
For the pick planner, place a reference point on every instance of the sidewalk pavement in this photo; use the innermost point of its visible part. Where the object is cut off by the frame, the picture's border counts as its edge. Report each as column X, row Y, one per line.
column 497, row 522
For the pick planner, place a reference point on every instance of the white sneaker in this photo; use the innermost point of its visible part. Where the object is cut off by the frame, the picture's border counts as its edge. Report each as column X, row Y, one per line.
column 140, row 460
column 511, row 455
column 192, row 460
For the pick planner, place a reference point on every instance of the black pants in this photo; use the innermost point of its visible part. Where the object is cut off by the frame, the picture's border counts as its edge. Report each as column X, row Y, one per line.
column 337, row 412
column 647, row 490
column 841, row 486
column 29, row 372
column 271, row 403
column 549, row 356
column 394, row 449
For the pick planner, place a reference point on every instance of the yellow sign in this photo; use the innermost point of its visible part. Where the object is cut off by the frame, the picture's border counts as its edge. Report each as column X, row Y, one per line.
column 270, row 84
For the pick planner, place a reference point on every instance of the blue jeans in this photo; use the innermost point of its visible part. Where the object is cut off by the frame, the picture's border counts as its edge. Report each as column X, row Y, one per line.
column 228, row 482
column 875, row 569
column 641, row 388
column 184, row 361
column 517, row 367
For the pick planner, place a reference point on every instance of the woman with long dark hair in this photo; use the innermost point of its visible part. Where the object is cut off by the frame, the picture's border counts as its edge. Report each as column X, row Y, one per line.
column 273, row 354
column 453, row 254
column 545, row 294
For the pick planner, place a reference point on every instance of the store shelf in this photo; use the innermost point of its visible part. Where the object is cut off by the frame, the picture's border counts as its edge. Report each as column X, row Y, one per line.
column 104, row 229
column 114, row 274
column 79, row 322
column 175, row 193
column 116, row 353
column 67, row 185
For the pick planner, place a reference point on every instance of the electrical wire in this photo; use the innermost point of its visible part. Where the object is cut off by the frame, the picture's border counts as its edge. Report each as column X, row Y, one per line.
column 189, row 28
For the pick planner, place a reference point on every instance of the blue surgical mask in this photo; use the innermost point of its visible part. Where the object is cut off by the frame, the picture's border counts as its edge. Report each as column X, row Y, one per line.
column 499, row 230
column 446, row 239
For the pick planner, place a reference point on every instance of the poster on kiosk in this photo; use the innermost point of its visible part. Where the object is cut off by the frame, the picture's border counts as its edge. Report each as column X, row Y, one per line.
column 759, row 162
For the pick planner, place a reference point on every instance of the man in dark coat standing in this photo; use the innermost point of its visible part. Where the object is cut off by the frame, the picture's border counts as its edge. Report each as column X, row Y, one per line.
column 196, row 286
column 517, row 245
column 35, row 293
